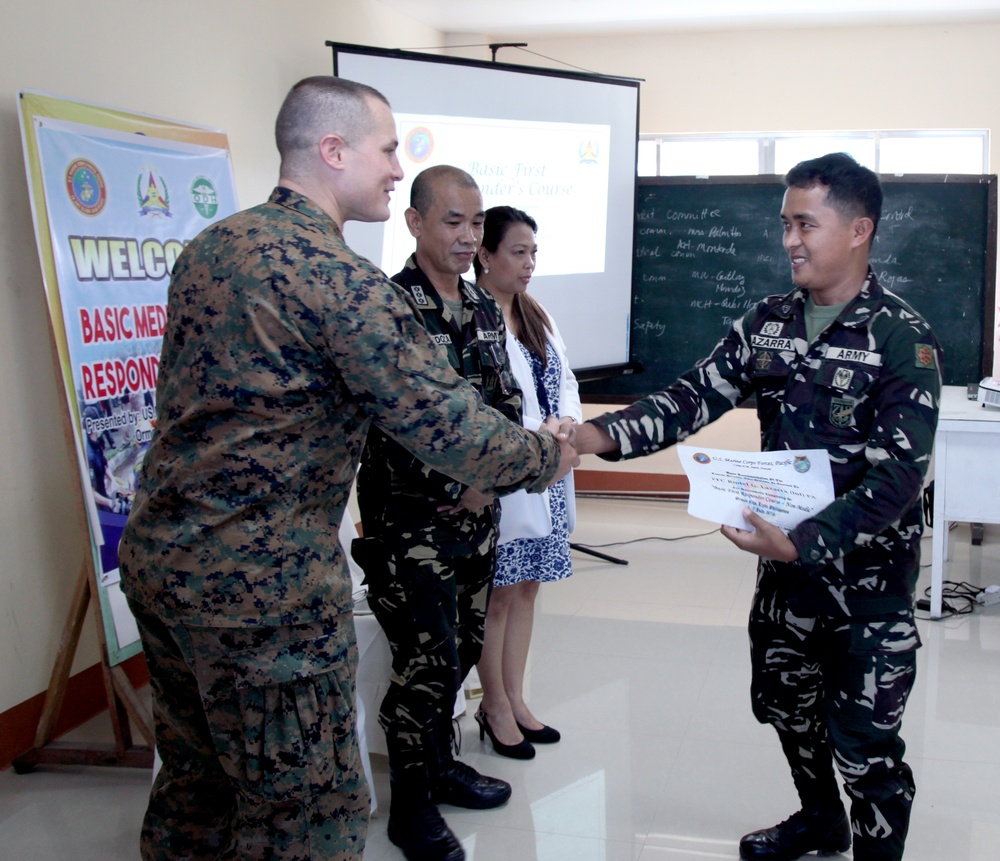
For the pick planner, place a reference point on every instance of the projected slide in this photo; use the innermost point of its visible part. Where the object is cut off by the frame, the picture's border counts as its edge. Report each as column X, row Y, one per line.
column 556, row 172
column 559, row 145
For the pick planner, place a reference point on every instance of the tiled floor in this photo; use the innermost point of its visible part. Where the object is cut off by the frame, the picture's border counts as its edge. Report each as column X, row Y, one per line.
column 644, row 669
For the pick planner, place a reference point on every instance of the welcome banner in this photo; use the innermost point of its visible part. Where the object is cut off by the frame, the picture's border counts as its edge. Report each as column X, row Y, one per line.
column 114, row 206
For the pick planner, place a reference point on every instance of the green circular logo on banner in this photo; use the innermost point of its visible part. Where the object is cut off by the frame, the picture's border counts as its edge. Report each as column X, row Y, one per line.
column 204, row 198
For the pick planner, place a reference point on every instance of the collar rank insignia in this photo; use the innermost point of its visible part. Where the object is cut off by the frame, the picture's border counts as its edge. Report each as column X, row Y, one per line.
column 418, row 295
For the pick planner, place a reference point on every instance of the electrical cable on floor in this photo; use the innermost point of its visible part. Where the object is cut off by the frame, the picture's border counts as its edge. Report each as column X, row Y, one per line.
column 646, row 538
column 957, row 599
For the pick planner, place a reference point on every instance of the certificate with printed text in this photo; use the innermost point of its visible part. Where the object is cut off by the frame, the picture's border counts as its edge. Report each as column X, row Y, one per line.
column 783, row 487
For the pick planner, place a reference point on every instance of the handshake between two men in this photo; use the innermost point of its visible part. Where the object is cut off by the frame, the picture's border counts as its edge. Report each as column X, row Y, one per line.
column 563, row 430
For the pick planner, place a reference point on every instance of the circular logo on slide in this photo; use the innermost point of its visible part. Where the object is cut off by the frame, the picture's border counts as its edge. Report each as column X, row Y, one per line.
column 85, row 186
column 419, row 144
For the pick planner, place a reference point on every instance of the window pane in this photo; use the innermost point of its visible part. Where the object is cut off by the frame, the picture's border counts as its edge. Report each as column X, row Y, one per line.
column 943, row 154
column 646, row 159
column 708, row 157
column 900, row 152
column 788, row 152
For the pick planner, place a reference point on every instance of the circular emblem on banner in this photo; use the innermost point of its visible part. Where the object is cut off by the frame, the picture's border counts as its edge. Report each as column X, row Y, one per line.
column 204, row 197
column 419, row 144
column 85, row 187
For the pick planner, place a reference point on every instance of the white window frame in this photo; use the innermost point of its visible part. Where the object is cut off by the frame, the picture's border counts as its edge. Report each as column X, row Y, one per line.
column 766, row 142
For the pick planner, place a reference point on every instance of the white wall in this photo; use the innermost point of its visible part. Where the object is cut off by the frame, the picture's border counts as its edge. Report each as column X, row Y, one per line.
column 223, row 63
column 918, row 76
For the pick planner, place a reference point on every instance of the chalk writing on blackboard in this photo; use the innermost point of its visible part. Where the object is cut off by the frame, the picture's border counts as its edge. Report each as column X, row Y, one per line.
column 708, row 250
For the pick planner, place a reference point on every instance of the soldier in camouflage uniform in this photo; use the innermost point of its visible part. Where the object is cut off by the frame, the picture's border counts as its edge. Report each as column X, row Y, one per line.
column 429, row 550
column 282, row 347
column 843, row 365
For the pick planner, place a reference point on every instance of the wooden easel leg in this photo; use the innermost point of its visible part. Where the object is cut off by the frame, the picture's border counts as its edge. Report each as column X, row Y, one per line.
column 121, row 696
column 126, row 695
column 64, row 658
column 116, row 712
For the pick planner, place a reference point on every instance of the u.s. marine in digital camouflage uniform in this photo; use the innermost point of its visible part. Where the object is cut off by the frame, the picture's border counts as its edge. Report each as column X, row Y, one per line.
column 833, row 639
column 282, row 347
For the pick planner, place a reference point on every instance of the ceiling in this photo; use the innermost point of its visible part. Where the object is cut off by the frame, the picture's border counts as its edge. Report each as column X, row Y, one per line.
column 519, row 18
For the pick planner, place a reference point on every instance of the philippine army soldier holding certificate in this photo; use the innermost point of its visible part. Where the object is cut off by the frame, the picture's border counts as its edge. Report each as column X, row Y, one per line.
column 843, row 365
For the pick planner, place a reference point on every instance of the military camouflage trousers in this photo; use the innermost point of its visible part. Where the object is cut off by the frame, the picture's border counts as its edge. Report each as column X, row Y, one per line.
column 256, row 730
column 433, row 611
column 835, row 691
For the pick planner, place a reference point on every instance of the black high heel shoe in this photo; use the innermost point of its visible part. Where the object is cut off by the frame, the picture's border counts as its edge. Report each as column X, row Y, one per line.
column 522, row 750
column 545, row 735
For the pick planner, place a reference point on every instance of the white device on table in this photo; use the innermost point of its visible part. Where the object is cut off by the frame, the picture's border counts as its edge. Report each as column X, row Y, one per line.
column 989, row 392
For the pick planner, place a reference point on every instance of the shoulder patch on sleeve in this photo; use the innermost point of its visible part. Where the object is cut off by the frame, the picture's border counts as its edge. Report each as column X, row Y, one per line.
column 925, row 356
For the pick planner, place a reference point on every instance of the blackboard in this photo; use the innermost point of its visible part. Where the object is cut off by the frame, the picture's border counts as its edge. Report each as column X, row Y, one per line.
column 707, row 250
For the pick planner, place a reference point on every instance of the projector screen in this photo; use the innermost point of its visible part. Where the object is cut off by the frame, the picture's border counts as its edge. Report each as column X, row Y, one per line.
column 560, row 146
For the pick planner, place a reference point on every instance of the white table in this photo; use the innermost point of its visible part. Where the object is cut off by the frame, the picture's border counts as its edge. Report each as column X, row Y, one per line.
column 966, row 474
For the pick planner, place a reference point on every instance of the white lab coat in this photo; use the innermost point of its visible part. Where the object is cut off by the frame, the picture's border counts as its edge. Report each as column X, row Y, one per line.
column 527, row 515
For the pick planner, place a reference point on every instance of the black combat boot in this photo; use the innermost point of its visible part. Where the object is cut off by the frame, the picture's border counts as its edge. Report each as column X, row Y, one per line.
column 821, row 825
column 421, row 833
column 823, row 832
column 415, row 825
column 459, row 784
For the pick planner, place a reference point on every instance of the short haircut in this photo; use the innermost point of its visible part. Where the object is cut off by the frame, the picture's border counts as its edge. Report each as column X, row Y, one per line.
column 422, row 190
column 854, row 191
column 319, row 106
